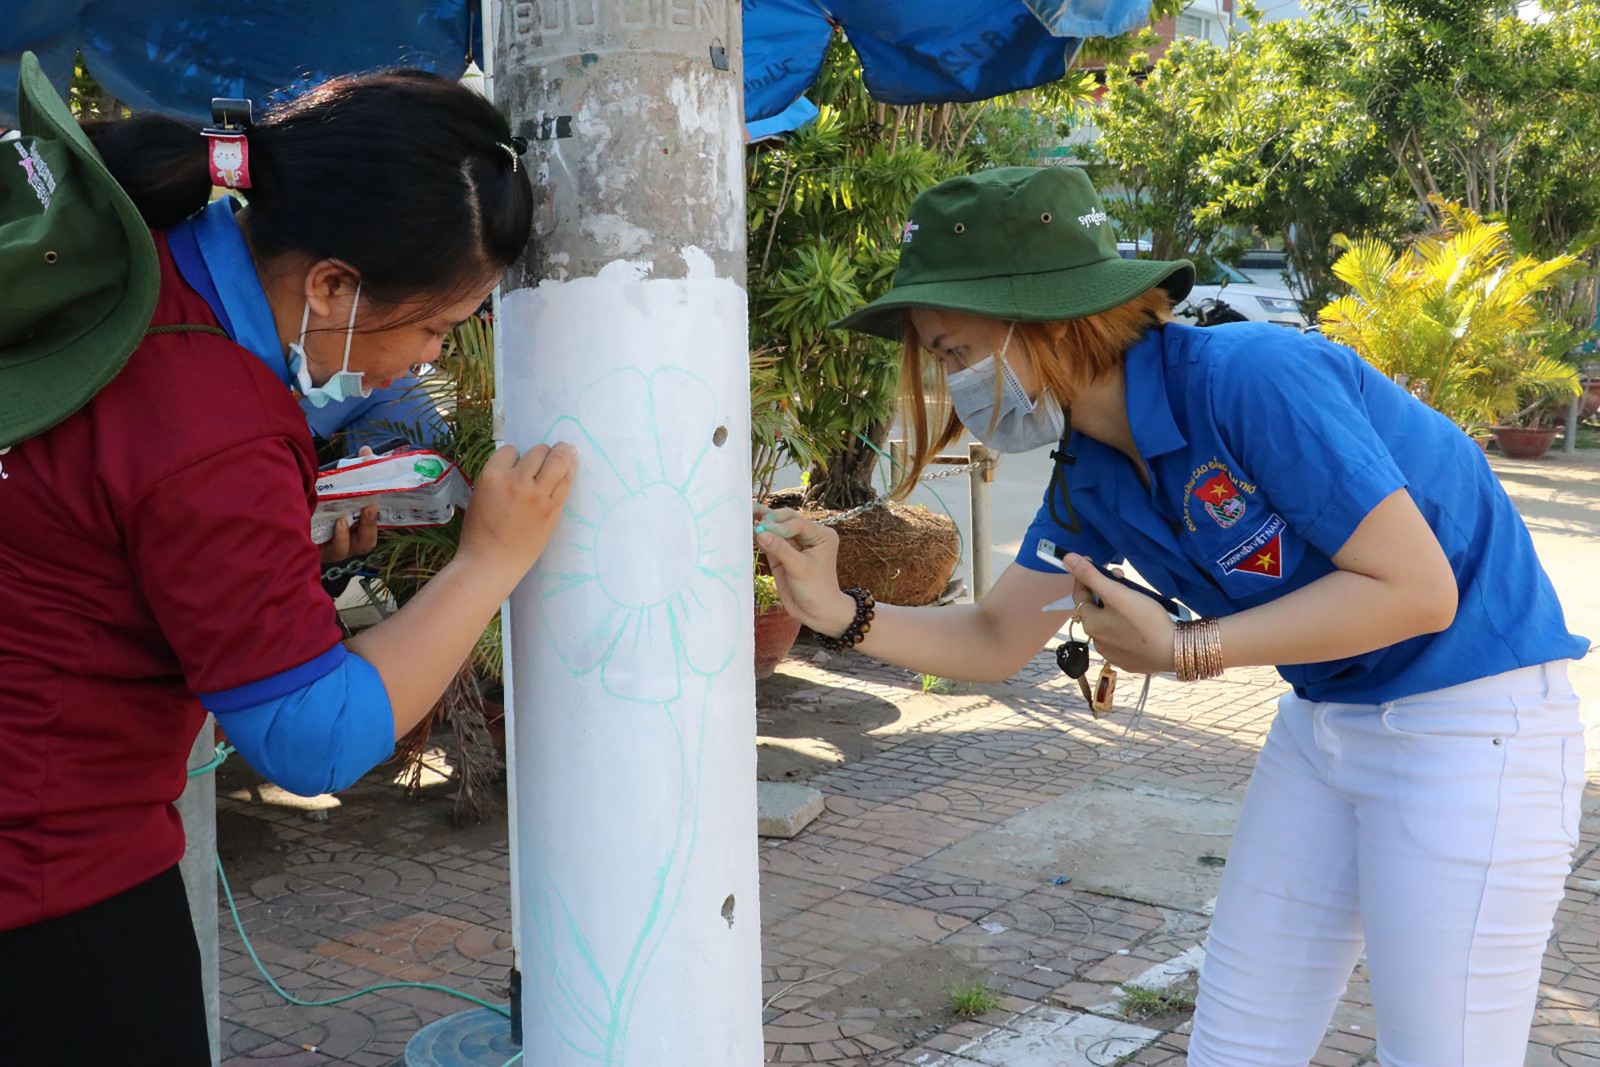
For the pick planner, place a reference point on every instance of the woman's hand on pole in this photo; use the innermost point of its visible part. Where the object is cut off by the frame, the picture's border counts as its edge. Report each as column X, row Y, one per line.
column 804, row 556
column 1131, row 631
column 516, row 504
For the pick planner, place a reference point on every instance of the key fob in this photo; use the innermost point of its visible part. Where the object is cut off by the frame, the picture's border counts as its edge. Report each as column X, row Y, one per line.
column 1073, row 659
column 1105, row 692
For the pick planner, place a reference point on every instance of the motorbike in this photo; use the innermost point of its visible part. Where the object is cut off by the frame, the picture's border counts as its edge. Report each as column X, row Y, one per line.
column 1212, row 311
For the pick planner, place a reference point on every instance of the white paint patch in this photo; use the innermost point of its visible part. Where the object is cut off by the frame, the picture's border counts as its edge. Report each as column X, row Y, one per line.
column 1178, row 969
column 698, row 263
column 1050, row 1037
column 618, row 273
column 702, row 101
column 687, row 95
column 632, row 653
column 614, row 233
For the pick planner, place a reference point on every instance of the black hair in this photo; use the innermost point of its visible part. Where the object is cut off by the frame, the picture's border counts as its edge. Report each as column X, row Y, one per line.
column 410, row 178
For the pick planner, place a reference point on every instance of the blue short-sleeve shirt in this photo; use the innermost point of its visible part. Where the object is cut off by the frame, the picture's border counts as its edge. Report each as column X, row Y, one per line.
column 1266, row 449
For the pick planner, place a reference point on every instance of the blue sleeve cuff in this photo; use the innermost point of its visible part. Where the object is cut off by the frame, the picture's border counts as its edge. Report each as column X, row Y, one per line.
column 321, row 737
column 277, row 685
column 1361, row 493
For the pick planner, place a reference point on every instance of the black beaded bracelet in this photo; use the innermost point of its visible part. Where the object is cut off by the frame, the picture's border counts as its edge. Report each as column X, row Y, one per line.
column 856, row 632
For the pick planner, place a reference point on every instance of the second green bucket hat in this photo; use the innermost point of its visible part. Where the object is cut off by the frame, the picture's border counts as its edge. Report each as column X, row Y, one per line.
column 1021, row 244
column 78, row 268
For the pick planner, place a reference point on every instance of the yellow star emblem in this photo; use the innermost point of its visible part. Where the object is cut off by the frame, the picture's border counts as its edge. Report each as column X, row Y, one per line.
column 1264, row 561
column 1219, row 491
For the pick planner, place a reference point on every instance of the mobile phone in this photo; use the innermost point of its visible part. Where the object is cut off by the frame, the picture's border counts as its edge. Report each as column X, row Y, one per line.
column 1056, row 556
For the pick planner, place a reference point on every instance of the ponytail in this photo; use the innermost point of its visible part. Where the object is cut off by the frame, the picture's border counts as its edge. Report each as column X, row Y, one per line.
column 159, row 161
column 412, row 179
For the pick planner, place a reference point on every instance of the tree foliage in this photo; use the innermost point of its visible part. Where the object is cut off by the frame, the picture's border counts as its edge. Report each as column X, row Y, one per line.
column 1359, row 119
column 1458, row 316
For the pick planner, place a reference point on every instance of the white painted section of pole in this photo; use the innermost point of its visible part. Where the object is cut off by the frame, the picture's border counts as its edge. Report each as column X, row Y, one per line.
column 197, row 807
column 1573, row 411
column 632, row 643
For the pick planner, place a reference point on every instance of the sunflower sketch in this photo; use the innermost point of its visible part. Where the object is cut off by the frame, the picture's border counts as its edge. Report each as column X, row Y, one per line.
column 630, row 582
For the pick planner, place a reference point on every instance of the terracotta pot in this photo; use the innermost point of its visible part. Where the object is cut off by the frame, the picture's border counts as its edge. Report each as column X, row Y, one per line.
column 776, row 632
column 494, row 713
column 1522, row 442
column 1591, row 400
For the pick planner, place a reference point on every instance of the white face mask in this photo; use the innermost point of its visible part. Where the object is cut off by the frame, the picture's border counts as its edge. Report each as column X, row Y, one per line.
column 344, row 384
column 1021, row 424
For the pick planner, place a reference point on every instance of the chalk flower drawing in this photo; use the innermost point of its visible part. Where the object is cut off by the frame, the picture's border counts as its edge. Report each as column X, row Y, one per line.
column 632, row 592
column 630, row 583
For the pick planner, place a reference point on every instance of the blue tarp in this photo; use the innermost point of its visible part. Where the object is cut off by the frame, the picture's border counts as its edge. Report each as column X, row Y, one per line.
column 175, row 55
column 796, row 116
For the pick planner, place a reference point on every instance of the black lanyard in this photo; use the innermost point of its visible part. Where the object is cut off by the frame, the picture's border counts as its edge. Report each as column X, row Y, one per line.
column 1058, row 481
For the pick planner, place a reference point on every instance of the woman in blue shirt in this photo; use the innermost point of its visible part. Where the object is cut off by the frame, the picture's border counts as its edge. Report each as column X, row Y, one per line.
column 1419, row 790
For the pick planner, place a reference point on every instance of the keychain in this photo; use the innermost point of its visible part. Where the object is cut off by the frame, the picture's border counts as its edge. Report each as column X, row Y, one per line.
column 1105, row 692
column 1073, row 659
column 1072, row 656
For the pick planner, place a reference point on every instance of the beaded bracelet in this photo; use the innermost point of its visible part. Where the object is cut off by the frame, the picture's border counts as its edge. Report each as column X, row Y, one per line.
column 856, row 632
column 1197, row 650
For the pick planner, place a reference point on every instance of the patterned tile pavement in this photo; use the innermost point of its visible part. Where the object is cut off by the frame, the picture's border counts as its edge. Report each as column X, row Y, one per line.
column 372, row 891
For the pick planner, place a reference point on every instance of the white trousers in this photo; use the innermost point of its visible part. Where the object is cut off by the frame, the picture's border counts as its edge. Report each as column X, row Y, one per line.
column 1438, row 831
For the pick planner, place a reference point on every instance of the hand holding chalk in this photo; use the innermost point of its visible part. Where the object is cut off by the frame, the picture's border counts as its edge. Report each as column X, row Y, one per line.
column 768, row 520
column 803, row 556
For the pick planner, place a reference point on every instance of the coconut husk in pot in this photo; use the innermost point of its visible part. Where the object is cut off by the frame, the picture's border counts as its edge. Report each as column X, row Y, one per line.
column 904, row 553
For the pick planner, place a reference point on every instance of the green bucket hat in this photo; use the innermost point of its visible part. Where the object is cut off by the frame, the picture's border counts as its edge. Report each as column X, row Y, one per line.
column 78, row 270
column 1021, row 244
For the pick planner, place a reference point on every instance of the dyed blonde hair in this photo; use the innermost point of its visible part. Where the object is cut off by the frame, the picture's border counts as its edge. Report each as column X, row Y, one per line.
column 1066, row 354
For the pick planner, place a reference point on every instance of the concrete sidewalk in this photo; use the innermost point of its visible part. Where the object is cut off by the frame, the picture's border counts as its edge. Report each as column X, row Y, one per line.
column 995, row 834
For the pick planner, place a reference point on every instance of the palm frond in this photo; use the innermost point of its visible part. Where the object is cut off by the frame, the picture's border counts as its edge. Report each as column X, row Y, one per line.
column 1459, row 314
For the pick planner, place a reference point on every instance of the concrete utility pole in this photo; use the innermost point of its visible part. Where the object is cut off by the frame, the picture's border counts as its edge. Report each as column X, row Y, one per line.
column 197, row 807
column 624, row 332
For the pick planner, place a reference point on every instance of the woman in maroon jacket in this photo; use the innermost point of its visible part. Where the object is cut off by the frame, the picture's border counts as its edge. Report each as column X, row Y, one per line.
column 155, row 555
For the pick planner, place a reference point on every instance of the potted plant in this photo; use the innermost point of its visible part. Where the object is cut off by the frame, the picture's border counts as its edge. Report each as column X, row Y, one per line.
column 1461, row 320
column 461, row 384
column 1529, row 431
column 776, row 629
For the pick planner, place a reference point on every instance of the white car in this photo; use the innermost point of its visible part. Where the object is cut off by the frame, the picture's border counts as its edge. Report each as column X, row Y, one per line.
column 1256, row 302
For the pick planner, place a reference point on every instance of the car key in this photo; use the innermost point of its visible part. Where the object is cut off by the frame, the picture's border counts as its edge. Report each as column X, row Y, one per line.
column 1073, row 659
